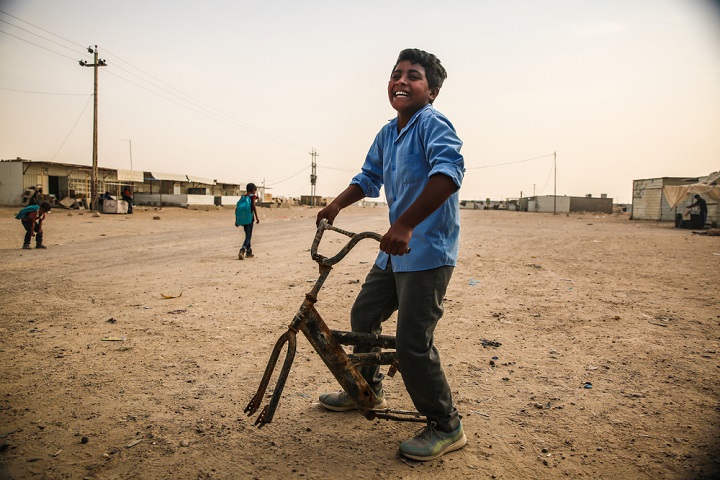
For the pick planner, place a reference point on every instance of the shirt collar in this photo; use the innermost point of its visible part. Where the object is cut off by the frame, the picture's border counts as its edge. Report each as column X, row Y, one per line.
column 414, row 118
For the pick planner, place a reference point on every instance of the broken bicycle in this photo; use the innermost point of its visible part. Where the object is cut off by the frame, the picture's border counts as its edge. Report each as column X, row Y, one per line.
column 329, row 346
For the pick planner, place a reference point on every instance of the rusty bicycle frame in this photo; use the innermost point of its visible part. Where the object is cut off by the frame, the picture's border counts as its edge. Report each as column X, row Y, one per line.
column 328, row 344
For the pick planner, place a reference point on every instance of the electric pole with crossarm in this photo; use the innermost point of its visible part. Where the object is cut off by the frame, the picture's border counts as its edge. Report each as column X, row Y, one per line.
column 94, row 188
column 313, row 177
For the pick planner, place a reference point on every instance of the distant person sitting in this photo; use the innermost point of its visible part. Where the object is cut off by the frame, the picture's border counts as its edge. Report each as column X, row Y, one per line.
column 127, row 196
column 702, row 206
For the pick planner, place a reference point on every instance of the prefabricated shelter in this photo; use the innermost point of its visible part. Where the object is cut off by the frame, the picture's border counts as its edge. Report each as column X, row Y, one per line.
column 228, row 194
column 565, row 204
column 71, row 184
column 472, row 204
column 650, row 203
column 174, row 189
column 508, row 204
column 313, row 200
column 63, row 181
column 679, row 197
column 58, row 181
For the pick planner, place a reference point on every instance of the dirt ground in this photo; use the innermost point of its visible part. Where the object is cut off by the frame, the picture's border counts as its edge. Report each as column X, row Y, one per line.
column 577, row 346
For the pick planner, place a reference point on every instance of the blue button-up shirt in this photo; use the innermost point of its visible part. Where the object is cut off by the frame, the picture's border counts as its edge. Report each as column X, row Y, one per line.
column 404, row 162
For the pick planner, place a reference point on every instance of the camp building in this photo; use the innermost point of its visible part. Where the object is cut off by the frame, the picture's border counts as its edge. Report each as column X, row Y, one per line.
column 71, row 185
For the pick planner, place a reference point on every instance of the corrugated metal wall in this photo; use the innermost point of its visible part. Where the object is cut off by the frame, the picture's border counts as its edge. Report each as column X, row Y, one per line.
column 649, row 203
column 647, row 199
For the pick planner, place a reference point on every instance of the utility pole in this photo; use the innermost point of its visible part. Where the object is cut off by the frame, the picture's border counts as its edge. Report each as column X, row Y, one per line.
column 555, row 183
column 97, row 63
column 313, row 177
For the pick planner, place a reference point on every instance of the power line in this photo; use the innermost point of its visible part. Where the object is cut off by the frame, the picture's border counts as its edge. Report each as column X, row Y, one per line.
column 44, row 93
column 510, row 163
column 73, row 128
column 285, row 179
column 205, row 112
column 39, row 28
column 37, row 35
column 333, row 181
column 195, row 104
column 39, row 46
column 209, row 109
column 355, row 170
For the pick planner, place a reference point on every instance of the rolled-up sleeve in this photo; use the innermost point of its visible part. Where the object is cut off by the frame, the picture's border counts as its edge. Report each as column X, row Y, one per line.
column 370, row 178
column 401, row 161
column 443, row 148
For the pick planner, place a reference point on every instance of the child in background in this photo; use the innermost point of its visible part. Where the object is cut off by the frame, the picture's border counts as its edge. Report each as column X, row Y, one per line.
column 32, row 218
column 245, row 211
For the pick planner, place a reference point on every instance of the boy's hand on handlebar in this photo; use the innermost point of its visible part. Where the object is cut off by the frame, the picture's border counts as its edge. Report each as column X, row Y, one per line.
column 396, row 240
column 328, row 213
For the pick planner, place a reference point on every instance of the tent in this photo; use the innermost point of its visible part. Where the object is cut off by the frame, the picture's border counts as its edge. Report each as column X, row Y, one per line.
column 677, row 193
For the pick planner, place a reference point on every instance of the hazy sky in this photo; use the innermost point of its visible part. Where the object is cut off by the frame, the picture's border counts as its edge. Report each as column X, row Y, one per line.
column 243, row 91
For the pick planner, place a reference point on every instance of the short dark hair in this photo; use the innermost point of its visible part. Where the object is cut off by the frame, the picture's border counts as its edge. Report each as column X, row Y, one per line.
column 45, row 206
column 250, row 187
column 434, row 71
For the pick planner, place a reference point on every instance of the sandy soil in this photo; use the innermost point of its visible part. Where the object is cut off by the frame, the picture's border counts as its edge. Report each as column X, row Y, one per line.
column 103, row 377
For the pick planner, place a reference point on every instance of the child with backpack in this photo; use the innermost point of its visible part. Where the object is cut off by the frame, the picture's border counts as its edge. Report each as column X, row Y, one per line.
column 244, row 212
column 32, row 218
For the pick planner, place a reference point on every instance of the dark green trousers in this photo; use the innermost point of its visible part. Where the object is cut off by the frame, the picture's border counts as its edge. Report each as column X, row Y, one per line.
column 418, row 299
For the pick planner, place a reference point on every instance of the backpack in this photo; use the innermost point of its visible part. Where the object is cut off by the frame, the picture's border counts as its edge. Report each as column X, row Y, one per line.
column 25, row 211
column 243, row 211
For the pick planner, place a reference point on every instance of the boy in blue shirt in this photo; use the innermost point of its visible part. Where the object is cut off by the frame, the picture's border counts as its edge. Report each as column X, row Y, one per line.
column 416, row 157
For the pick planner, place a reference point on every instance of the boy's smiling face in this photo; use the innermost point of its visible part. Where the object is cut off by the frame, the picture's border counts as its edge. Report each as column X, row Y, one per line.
column 408, row 90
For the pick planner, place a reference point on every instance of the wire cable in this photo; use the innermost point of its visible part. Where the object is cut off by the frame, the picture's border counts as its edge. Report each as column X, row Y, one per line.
column 37, row 35
column 39, row 28
column 511, row 163
column 275, row 182
column 199, row 104
column 43, row 93
column 195, row 104
column 354, row 170
column 73, row 128
column 211, row 115
column 39, row 46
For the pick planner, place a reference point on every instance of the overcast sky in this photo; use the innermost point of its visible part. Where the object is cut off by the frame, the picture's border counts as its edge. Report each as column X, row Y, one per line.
column 243, row 91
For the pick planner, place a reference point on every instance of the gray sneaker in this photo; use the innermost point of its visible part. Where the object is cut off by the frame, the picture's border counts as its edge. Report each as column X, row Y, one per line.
column 431, row 443
column 341, row 401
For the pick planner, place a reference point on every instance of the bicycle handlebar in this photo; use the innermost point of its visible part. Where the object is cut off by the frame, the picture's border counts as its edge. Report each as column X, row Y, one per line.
column 354, row 239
